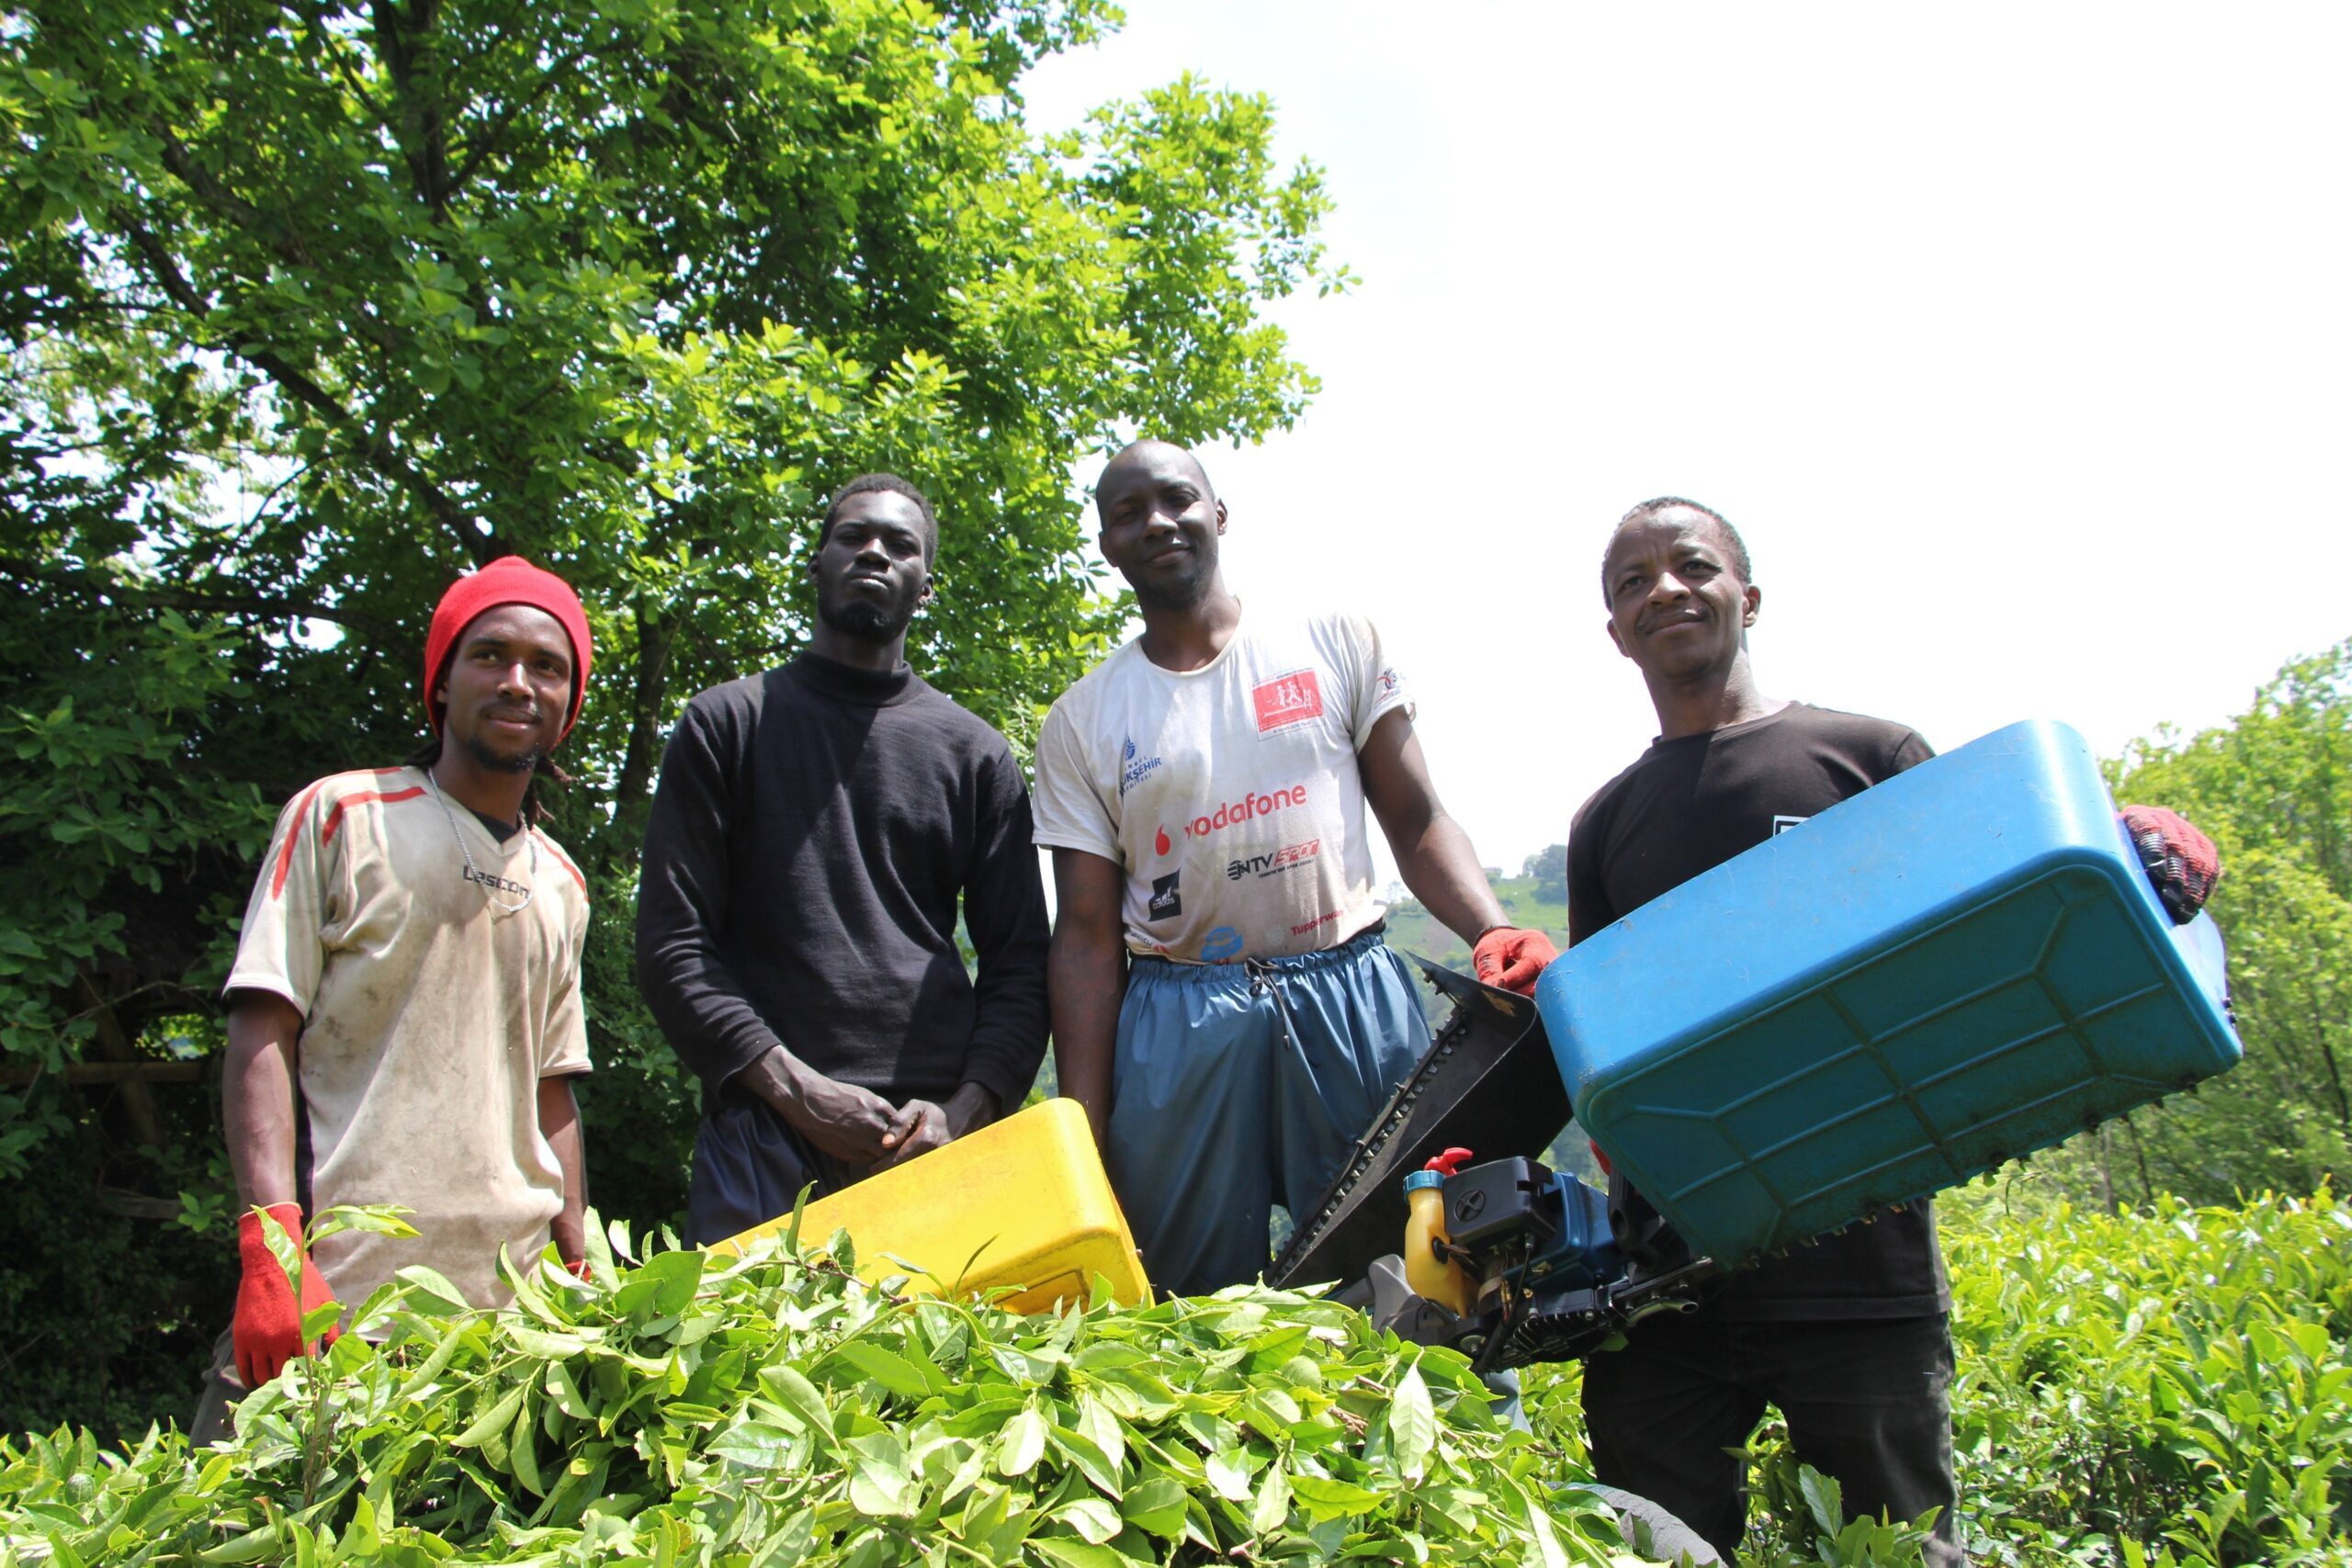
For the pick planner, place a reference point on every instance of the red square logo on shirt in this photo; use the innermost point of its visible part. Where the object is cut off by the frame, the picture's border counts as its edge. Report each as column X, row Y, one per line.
column 1286, row 699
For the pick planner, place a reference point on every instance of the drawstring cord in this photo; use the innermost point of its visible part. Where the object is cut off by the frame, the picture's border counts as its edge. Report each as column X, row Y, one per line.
column 1263, row 983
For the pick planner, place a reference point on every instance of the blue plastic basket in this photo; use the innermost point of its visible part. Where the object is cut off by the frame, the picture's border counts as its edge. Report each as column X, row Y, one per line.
column 1960, row 966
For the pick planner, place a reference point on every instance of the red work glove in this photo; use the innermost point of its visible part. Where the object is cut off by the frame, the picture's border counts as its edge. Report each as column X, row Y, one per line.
column 2180, row 861
column 1511, row 958
column 267, row 1330
column 578, row 1269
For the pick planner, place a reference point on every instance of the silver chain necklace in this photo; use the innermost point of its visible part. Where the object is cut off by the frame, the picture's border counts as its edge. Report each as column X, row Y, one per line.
column 491, row 885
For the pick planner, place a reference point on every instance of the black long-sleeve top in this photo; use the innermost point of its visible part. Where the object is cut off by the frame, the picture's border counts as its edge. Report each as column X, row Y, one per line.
column 812, row 830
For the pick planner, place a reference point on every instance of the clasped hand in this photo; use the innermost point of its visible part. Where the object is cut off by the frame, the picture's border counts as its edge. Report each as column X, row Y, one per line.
column 859, row 1127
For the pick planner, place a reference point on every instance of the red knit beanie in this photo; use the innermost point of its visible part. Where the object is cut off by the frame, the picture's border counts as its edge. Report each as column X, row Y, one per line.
column 510, row 579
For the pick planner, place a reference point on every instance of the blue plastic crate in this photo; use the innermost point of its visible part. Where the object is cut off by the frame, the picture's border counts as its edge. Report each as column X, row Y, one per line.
column 1960, row 966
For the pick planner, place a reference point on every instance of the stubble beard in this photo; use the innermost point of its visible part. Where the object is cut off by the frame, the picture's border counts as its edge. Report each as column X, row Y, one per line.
column 495, row 761
column 862, row 619
column 1185, row 593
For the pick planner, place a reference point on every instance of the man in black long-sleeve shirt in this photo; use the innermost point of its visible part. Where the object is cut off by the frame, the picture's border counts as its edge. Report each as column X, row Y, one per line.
column 1849, row 1338
column 796, row 931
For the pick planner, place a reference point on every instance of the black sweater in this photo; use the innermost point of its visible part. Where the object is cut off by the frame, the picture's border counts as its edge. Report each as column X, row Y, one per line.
column 811, row 834
column 1688, row 805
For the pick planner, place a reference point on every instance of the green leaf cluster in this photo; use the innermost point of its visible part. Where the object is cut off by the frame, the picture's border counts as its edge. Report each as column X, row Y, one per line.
column 2171, row 1386
column 2273, row 789
column 2179, row 1380
column 775, row 1411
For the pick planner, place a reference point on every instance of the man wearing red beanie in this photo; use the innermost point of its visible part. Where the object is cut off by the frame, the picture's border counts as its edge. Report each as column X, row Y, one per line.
column 404, row 1011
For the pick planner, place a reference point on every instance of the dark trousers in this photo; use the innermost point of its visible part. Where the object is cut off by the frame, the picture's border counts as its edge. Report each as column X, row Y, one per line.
column 750, row 1167
column 1866, row 1402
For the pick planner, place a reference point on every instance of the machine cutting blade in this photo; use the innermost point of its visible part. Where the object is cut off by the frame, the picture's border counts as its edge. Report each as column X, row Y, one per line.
column 1488, row 1084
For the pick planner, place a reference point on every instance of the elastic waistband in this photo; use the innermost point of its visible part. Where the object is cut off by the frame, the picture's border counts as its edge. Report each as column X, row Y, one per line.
column 1239, row 970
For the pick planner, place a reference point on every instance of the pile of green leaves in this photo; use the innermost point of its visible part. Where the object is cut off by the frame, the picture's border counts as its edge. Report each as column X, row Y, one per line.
column 774, row 1410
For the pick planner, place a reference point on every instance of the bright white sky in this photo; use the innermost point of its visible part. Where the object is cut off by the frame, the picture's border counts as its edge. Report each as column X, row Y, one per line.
column 2014, row 338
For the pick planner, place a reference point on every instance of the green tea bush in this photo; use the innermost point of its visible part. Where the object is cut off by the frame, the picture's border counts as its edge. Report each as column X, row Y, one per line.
column 774, row 1410
column 2167, row 1387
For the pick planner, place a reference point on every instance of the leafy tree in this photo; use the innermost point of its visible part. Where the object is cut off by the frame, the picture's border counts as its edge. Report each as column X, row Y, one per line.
column 2273, row 788
column 307, row 307
column 1548, row 868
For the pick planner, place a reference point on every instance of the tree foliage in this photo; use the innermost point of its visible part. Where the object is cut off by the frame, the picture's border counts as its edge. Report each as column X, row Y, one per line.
column 305, row 308
column 2273, row 789
column 1548, row 869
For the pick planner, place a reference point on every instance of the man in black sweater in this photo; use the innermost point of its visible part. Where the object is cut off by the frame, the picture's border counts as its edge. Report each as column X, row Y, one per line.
column 795, row 931
column 1849, row 1338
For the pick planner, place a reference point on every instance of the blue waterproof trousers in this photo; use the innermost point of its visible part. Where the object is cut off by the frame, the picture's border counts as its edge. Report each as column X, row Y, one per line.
column 1234, row 1085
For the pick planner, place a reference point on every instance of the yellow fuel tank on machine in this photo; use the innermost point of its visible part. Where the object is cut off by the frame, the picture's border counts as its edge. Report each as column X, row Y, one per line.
column 1026, row 1194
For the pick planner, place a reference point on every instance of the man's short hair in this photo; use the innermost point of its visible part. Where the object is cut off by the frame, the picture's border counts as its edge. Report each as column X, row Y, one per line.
column 866, row 484
column 1736, row 546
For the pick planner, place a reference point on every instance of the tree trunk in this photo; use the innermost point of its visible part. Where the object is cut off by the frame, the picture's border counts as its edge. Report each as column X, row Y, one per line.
column 138, row 1099
column 633, row 791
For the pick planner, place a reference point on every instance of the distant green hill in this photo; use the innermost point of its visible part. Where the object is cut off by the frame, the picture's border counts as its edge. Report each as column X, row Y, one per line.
column 1412, row 929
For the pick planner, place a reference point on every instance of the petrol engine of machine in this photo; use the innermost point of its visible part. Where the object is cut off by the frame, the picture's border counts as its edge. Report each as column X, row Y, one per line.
column 1526, row 1264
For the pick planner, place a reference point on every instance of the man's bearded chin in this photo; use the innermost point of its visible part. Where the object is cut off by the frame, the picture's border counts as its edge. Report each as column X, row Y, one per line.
column 1182, row 595
column 492, row 762
column 863, row 619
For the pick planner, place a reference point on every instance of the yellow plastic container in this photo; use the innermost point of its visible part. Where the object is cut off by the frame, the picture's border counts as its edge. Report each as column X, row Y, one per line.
column 1027, row 1194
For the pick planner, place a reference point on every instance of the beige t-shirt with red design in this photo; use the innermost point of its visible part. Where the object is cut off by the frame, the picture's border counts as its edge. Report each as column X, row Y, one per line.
column 430, row 1015
column 1230, row 793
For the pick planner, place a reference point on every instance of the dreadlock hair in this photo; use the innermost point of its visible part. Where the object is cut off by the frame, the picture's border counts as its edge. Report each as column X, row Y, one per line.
column 1733, row 546
column 868, row 484
column 534, row 810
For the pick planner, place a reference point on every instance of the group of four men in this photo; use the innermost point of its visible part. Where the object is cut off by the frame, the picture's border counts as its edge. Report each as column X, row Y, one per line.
column 405, row 1017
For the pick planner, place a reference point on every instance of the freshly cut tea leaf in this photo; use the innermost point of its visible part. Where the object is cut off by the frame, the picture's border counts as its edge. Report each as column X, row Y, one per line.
column 760, row 1445
column 1327, row 1499
column 1092, row 1518
column 1229, row 1473
column 492, row 1422
column 888, row 1367
column 1157, row 1505
column 1023, row 1443
column 800, row 1396
column 881, row 1489
column 1273, row 1506
column 1412, row 1424
column 1062, row 1551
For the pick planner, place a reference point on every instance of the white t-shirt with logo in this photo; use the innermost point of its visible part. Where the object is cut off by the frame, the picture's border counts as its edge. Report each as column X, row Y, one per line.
column 1230, row 793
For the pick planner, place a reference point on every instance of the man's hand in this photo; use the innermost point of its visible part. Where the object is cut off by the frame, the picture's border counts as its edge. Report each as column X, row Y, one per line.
column 2180, row 861
column 929, row 1125
column 266, row 1331
column 853, row 1124
column 850, row 1124
column 1510, row 958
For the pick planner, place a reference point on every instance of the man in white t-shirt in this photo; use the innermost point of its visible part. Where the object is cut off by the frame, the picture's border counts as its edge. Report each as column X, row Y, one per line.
column 404, row 1010
column 1223, row 1005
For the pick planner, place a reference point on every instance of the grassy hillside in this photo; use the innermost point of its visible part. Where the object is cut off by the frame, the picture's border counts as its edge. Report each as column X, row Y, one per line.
column 1412, row 929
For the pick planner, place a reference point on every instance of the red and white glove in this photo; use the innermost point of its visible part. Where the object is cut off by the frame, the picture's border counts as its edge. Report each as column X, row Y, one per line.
column 1510, row 958
column 266, row 1332
column 2180, row 861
